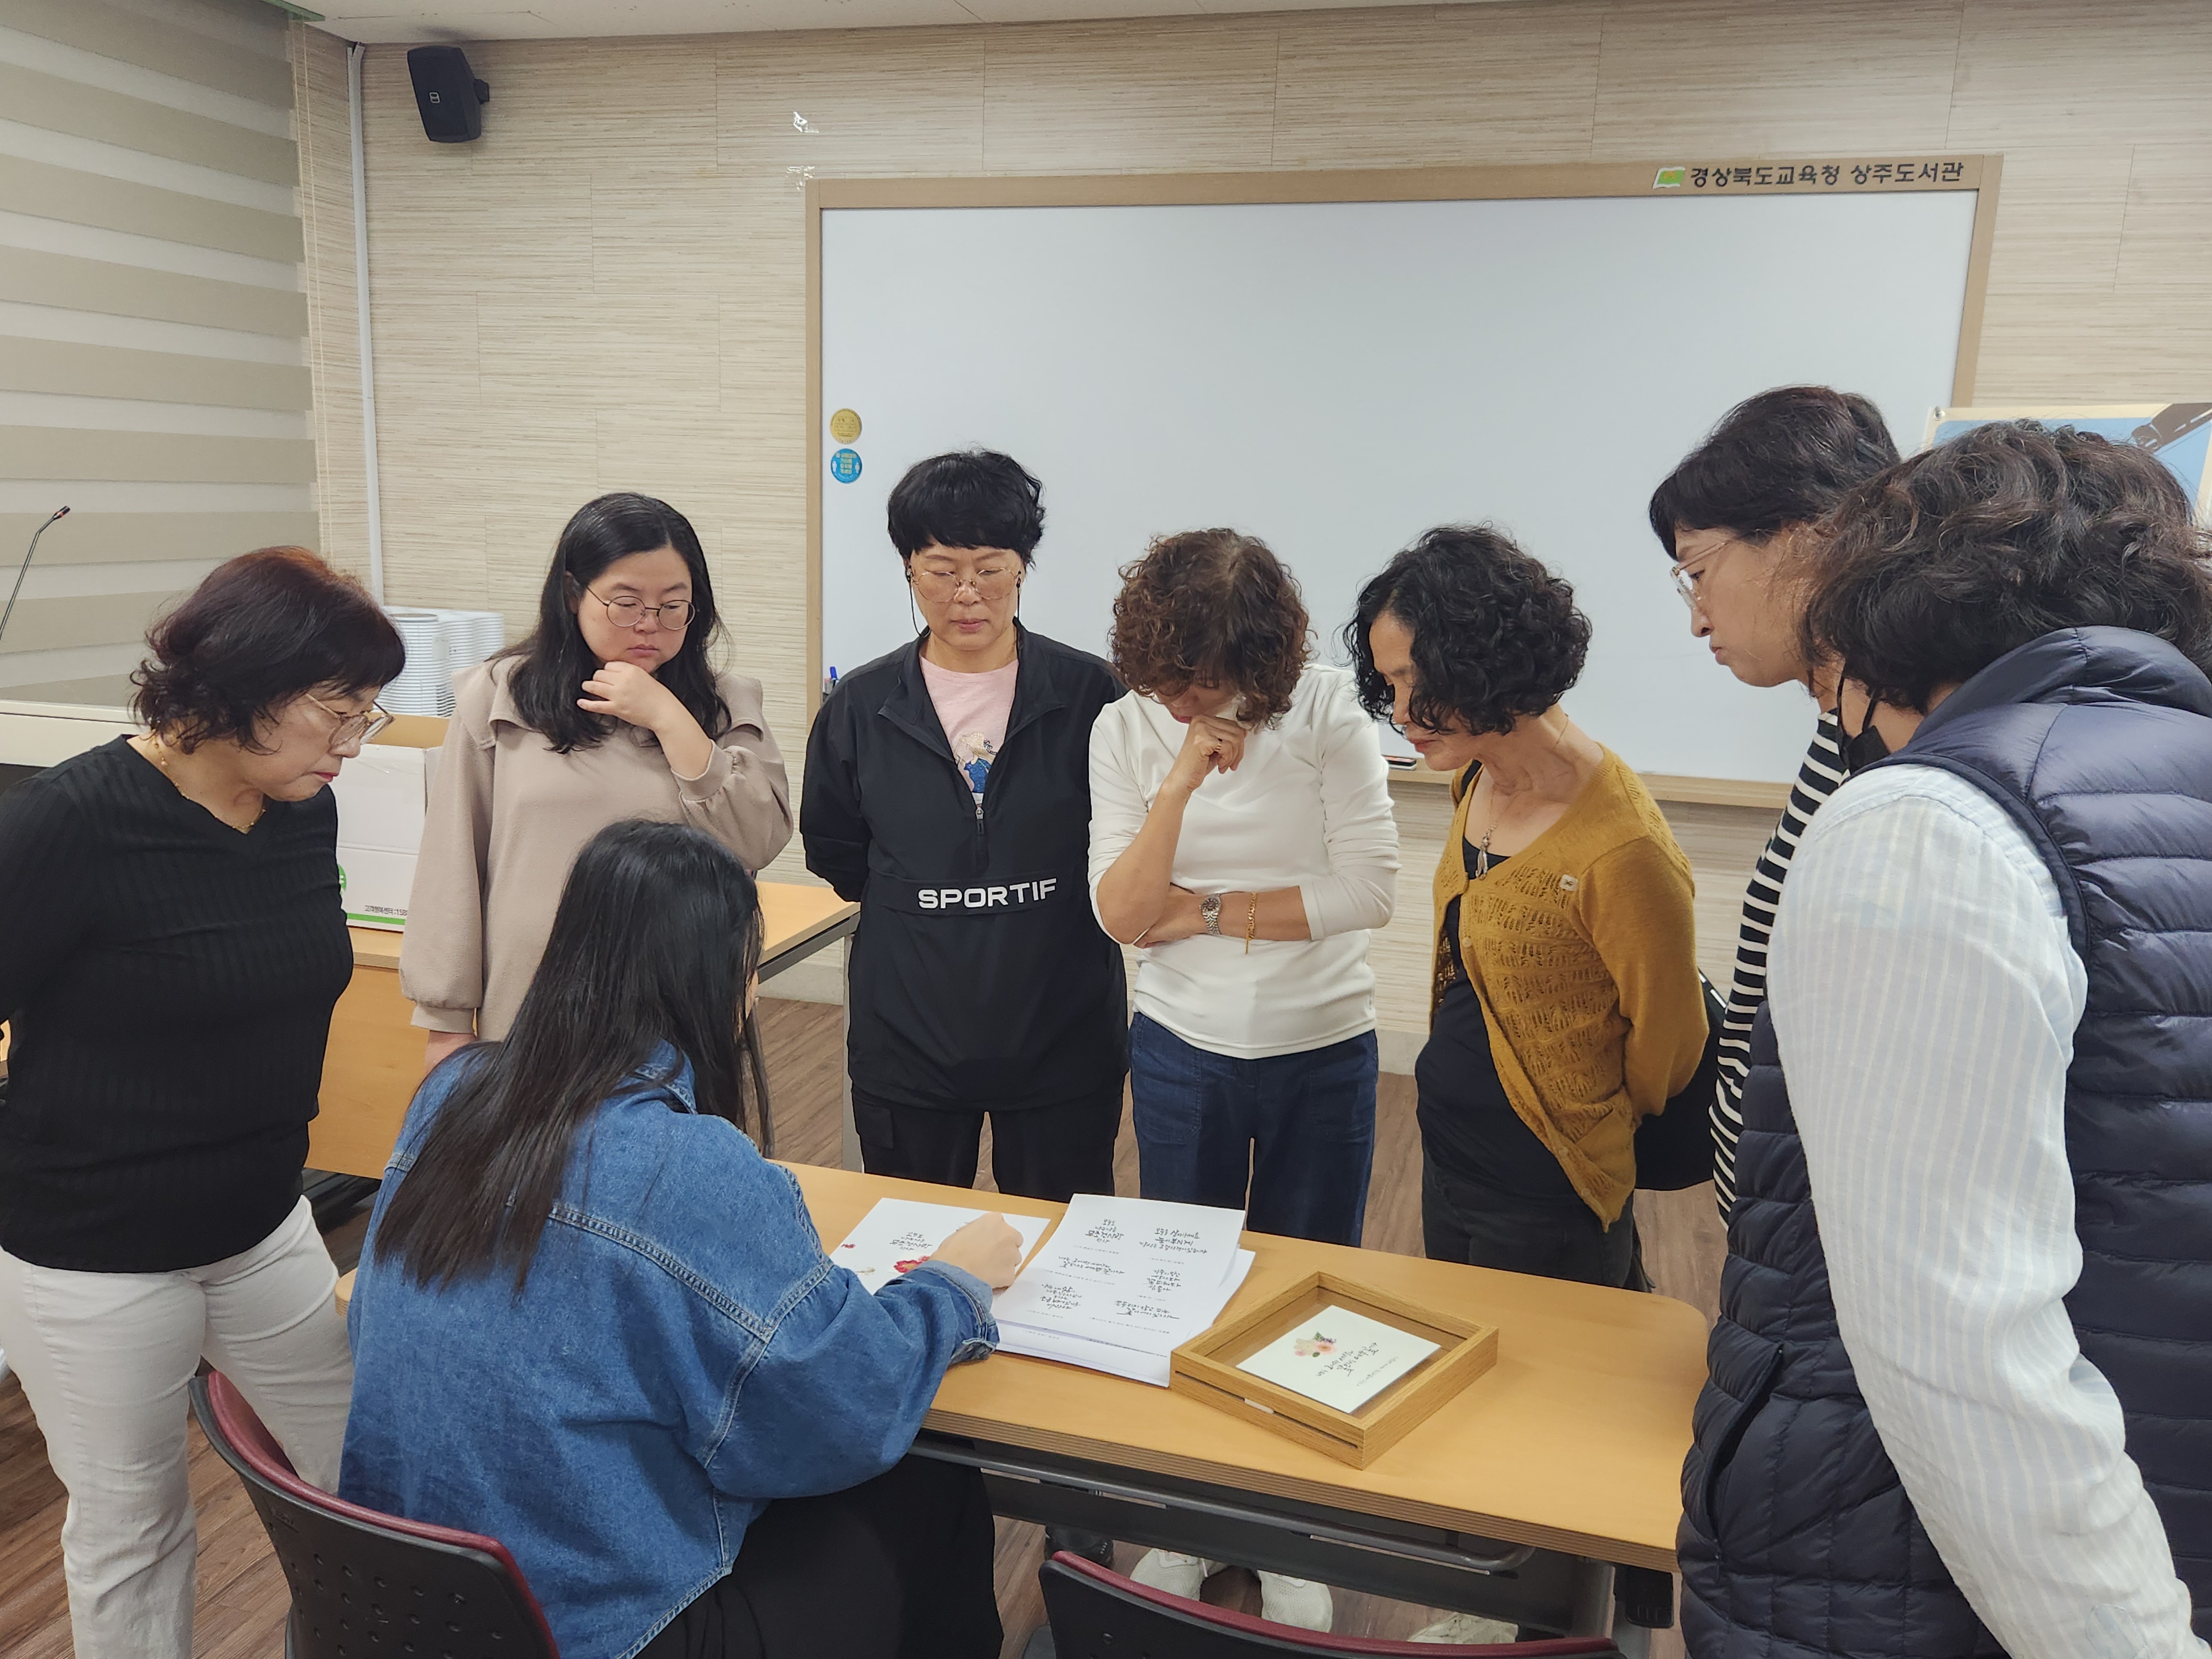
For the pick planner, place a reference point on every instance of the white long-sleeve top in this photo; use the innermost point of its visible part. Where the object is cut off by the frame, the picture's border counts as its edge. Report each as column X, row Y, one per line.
column 1926, row 996
column 1308, row 807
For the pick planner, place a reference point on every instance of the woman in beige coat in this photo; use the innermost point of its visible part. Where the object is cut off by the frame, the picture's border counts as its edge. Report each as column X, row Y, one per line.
column 609, row 710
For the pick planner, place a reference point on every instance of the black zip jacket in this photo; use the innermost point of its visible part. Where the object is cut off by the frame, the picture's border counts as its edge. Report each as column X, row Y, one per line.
column 980, row 979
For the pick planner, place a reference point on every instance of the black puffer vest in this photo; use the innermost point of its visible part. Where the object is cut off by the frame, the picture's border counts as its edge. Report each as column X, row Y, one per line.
column 1797, row 1538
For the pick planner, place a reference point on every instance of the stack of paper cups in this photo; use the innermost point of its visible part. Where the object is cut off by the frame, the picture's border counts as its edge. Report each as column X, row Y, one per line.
column 439, row 644
column 488, row 631
column 427, row 675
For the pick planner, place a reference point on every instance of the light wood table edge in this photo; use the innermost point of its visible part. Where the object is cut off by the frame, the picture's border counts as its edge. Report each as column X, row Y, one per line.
column 1620, row 1552
column 1663, row 786
column 845, row 911
column 940, row 1420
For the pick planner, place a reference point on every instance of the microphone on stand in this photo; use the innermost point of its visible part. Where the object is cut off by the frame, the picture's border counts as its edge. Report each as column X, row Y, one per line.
column 23, row 569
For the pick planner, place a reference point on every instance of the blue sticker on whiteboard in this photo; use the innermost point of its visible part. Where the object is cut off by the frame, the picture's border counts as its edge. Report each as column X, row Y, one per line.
column 845, row 465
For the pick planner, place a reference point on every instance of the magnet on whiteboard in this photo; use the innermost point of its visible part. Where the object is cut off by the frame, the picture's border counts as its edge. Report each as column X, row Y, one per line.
column 845, row 426
column 845, row 465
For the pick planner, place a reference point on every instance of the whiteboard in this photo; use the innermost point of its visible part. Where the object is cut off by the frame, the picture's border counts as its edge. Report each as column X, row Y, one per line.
column 1335, row 377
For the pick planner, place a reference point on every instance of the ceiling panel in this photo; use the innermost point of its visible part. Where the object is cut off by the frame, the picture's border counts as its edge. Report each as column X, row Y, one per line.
column 410, row 21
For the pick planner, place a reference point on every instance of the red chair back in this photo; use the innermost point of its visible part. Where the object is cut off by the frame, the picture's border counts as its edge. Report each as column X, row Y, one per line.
column 1098, row 1614
column 366, row 1583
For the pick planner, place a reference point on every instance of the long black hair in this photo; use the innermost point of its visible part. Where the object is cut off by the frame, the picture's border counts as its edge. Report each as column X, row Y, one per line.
column 656, row 940
column 552, row 665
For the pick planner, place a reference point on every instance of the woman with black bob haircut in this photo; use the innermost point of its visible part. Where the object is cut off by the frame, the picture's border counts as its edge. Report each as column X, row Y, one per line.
column 593, row 1323
column 947, row 794
column 611, row 709
column 172, row 946
column 1567, row 1005
column 1958, row 1399
column 1739, row 520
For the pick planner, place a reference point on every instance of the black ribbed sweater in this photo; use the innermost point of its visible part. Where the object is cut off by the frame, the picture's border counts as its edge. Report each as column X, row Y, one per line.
column 167, row 984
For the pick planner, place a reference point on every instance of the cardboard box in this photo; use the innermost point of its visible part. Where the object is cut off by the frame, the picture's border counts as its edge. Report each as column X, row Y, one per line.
column 381, row 793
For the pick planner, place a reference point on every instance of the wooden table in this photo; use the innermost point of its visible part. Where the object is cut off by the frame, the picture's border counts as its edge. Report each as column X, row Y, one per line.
column 1560, row 1463
column 375, row 1054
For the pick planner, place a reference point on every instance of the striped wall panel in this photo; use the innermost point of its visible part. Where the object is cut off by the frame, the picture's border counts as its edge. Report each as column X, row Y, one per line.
column 155, row 373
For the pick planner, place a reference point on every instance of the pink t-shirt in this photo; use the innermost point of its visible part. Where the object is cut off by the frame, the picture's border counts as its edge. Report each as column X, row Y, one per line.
column 973, row 709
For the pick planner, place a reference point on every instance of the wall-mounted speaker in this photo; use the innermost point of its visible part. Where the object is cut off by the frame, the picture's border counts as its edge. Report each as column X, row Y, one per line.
column 449, row 97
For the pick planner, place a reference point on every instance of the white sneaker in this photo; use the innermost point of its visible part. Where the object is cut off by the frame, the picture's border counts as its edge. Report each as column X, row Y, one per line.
column 1468, row 1628
column 1175, row 1575
column 1298, row 1601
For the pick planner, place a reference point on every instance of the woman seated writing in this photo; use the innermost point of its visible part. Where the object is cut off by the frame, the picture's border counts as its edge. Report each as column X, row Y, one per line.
column 594, row 1323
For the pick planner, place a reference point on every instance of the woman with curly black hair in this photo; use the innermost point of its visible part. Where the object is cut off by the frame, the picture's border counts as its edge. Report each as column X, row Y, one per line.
column 1567, row 1005
column 1242, row 838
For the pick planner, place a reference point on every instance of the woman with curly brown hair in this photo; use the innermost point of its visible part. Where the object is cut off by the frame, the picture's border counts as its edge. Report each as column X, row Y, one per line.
column 1242, row 838
column 1567, row 1005
column 173, row 946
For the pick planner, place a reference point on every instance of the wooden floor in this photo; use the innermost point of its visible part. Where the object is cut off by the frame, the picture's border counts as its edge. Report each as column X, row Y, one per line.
column 242, row 1594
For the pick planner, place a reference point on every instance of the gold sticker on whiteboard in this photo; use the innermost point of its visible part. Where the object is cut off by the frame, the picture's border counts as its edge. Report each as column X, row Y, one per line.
column 844, row 426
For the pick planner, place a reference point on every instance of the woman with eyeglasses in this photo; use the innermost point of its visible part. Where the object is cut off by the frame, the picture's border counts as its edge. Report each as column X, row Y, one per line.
column 611, row 710
column 172, row 943
column 948, row 792
column 1736, row 518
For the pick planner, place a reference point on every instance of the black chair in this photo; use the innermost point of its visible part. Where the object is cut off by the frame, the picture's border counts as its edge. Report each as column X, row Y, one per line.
column 1097, row 1613
column 364, row 1584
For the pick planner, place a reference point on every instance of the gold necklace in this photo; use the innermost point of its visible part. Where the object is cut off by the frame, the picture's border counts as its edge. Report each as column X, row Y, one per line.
column 158, row 746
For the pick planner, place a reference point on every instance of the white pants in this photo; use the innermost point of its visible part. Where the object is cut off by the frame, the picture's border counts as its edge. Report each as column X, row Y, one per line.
column 105, row 1360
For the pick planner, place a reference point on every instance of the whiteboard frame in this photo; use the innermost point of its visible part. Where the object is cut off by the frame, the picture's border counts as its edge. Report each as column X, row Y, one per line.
column 1979, row 173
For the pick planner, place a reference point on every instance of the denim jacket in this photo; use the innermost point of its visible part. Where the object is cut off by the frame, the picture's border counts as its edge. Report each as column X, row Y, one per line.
column 683, row 1352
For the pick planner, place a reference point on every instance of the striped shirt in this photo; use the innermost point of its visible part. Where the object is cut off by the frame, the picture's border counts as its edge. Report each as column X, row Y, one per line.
column 1926, row 996
column 1817, row 780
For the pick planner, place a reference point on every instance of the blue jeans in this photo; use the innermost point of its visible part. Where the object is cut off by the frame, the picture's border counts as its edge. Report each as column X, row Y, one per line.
column 1302, row 1125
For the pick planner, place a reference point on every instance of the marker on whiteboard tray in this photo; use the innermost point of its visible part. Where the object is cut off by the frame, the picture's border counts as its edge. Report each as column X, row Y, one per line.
column 830, row 682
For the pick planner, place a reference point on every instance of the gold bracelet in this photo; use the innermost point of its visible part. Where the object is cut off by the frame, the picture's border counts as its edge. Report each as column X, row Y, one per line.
column 1251, row 920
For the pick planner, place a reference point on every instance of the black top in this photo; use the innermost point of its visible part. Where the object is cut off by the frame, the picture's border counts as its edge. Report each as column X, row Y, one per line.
column 1468, row 1124
column 979, row 977
column 168, row 984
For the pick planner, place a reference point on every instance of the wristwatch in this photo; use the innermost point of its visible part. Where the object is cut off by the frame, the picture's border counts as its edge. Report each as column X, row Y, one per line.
column 1209, row 912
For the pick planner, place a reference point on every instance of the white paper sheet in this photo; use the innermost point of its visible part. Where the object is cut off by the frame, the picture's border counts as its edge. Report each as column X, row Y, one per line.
column 1340, row 1358
column 900, row 1234
column 1131, row 1271
column 1138, row 1364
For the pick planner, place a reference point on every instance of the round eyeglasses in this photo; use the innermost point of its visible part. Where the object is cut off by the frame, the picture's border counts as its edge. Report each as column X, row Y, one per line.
column 1686, row 572
column 351, row 728
column 992, row 582
column 674, row 614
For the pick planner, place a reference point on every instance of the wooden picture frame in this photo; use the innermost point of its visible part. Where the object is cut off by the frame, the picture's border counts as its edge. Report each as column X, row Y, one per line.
column 1205, row 1369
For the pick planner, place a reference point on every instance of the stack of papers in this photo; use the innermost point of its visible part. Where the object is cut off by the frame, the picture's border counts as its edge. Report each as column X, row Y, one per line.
column 1123, row 1283
column 900, row 1234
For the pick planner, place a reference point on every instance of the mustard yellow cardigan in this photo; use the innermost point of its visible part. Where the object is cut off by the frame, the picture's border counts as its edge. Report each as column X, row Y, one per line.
column 1582, row 951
